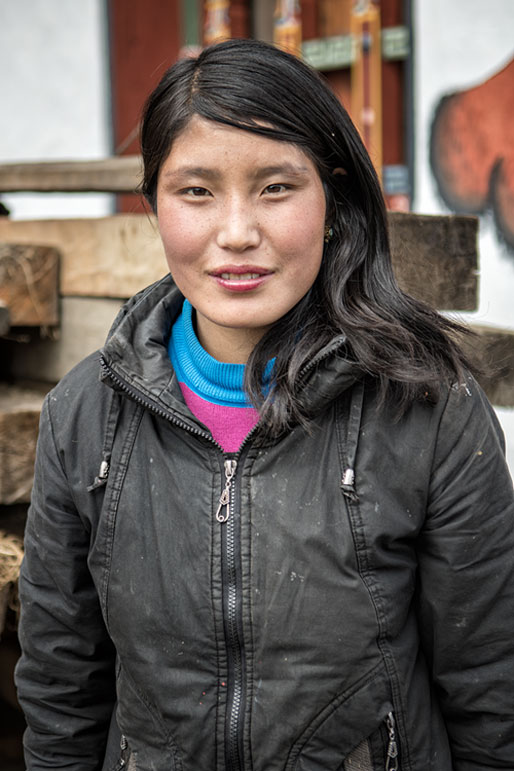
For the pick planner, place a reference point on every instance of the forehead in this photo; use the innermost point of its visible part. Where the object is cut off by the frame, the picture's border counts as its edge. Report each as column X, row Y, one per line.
column 209, row 141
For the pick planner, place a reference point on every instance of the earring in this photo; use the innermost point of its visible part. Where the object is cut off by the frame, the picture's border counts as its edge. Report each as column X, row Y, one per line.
column 329, row 232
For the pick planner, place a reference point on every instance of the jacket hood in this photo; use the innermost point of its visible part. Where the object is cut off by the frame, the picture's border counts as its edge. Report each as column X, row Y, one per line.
column 136, row 352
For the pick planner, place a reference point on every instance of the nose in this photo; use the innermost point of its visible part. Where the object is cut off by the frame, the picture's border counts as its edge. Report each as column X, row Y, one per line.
column 238, row 228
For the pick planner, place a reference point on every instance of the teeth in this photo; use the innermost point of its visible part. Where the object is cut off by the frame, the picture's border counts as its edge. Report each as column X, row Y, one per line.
column 239, row 276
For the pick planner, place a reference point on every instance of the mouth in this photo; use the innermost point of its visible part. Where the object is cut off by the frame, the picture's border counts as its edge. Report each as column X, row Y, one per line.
column 240, row 278
column 240, row 272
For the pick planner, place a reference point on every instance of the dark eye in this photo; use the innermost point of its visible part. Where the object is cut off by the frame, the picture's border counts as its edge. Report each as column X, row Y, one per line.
column 276, row 188
column 196, row 192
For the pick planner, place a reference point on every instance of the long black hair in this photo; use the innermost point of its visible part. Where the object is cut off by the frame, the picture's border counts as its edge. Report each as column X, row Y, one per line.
column 407, row 347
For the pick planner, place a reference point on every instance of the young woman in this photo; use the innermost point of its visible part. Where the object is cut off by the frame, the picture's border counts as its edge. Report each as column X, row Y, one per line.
column 272, row 527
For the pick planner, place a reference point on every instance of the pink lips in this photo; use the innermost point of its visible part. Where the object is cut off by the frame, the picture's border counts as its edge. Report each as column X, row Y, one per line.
column 240, row 278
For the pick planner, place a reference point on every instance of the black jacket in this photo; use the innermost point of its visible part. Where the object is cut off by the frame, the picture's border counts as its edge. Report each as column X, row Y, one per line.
column 353, row 603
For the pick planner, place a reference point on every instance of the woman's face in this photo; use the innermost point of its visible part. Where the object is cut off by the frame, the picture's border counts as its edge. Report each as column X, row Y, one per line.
column 242, row 221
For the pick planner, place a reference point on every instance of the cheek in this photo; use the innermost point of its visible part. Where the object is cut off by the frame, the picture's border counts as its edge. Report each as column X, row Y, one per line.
column 303, row 225
column 302, row 242
column 179, row 238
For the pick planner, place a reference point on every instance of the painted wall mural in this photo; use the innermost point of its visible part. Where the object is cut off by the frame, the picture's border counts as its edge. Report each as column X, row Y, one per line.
column 472, row 151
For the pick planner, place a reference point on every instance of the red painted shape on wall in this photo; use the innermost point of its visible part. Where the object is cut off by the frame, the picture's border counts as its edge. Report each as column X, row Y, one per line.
column 472, row 150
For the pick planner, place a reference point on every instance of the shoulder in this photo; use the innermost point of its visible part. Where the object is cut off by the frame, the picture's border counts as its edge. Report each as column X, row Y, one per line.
column 78, row 404
column 460, row 432
column 462, row 414
column 467, row 419
column 80, row 384
column 469, row 466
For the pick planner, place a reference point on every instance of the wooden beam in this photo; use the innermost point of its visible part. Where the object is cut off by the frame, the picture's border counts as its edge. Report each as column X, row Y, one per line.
column 110, row 175
column 436, row 258
column 85, row 323
column 29, row 284
column 106, row 257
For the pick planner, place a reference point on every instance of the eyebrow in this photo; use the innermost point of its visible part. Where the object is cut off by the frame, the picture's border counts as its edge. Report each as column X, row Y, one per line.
column 290, row 169
column 192, row 171
column 202, row 172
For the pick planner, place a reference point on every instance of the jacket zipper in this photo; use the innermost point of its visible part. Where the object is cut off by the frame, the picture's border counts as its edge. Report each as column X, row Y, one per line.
column 224, row 501
column 392, row 744
column 231, row 596
column 232, row 611
column 232, row 620
column 232, row 599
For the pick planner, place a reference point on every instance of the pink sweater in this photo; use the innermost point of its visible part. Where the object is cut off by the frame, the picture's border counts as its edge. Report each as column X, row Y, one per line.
column 212, row 390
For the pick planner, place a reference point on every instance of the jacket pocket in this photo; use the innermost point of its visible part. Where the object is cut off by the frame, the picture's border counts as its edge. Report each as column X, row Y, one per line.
column 359, row 758
column 377, row 753
column 149, row 743
column 355, row 732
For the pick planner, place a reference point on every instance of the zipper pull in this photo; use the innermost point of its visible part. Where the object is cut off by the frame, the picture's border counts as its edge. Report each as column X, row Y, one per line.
column 392, row 746
column 348, row 485
column 230, row 470
column 103, row 473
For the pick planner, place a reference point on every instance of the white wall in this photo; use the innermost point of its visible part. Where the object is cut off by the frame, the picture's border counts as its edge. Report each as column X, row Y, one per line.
column 54, row 95
column 457, row 45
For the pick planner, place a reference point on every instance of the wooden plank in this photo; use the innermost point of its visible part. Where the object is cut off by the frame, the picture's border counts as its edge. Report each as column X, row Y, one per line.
column 109, row 175
column 29, row 284
column 84, row 326
column 435, row 258
column 107, row 257
column 494, row 350
column 19, row 421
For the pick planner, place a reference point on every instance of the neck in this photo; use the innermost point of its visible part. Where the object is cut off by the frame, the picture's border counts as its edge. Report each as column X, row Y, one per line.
column 227, row 344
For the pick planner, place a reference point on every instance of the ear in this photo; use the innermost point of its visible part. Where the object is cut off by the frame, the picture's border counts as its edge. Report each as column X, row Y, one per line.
column 338, row 171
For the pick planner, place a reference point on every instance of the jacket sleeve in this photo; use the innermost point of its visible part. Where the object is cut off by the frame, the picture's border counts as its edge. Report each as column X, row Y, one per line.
column 65, row 676
column 466, row 576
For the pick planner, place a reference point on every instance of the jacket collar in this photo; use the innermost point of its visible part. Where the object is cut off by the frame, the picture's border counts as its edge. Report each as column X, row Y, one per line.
column 136, row 352
column 327, row 376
